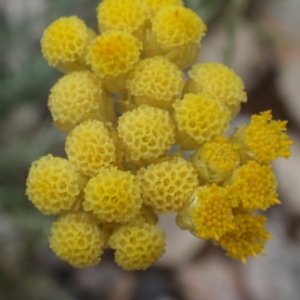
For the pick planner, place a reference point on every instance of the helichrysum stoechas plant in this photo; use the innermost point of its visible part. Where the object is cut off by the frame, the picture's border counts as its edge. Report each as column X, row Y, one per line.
column 125, row 104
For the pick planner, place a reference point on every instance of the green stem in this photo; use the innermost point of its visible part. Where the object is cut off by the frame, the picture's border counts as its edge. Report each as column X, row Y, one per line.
column 233, row 13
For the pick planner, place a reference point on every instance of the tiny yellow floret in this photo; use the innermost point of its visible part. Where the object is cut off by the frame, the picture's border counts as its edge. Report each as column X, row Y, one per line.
column 253, row 186
column 220, row 81
column 64, row 43
column 167, row 186
column 90, row 147
column 155, row 81
column 199, row 117
column 248, row 237
column 146, row 132
column 113, row 195
column 137, row 247
column 264, row 140
column 123, row 15
column 208, row 215
column 216, row 159
column 77, row 239
column 77, row 97
column 53, row 184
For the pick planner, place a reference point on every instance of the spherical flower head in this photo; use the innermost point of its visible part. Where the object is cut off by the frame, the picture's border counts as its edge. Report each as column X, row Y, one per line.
column 77, row 97
column 90, row 147
column 176, row 33
column 248, row 237
column 155, row 5
column 167, row 186
column 216, row 159
column 123, row 15
column 113, row 195
column 208, row 215
column 176, row 26
column 199, row 117
column 64, row 43
column 112, row 54
column 54, row 184
column 137, row 247
column 264, row 140
column 220, row 81
column 146, row 133
column 77, row 239
column 155, row 81
column 253, row 186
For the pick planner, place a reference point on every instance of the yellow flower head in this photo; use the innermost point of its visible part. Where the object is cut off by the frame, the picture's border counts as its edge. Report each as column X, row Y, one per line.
column 77, row 97
column 200, row 117
column 146, row 132
column 53, row 184
column 113, row 195
column 220, row 81
column 253, row 186
column 123, row 15
column 77, row 239
column 264, row 139
column 155, row 81
column 176, row 26
column 113, row 53
column 64, row 43
column 208, row 215
column 137, row 246
column 176, row 33
column 167, row 186
column 248, row 237
column 90, row 147
column 216, row 159
column 155, row 5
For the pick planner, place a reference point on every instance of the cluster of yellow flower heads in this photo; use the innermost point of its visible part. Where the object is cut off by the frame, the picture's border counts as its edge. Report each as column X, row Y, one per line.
column 143, row 140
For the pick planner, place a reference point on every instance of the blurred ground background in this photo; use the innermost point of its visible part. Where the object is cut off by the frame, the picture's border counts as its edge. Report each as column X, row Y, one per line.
column 261, row 41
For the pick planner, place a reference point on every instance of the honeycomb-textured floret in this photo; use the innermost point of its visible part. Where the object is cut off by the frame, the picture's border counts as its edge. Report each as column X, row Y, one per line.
column 77, row 97
column 220, row 81
column 248, row 237
column 216, row 159
column 177, row 26
column 90, row 147
column 53, row 184
column 208, row 214
column 64, row 43
column 253, row 186
column 113, row 195
column 137, row 247
column 124, row 15
column 146, row 132
column 200, row 117
column 167, row 186
column 264, row 139
column 76, row 238
column 155, row 5
column 113, row 53
column 155, row 81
